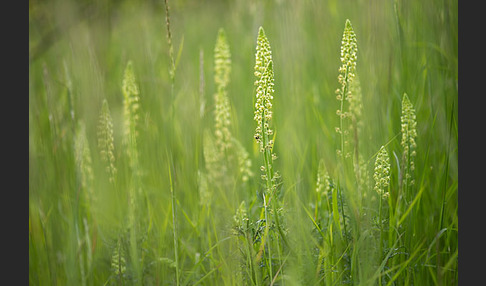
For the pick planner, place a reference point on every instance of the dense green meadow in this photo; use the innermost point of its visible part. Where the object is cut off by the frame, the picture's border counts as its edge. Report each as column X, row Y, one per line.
column 243, row 142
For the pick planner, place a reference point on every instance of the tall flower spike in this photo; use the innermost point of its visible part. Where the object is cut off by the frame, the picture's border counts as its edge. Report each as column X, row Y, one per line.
column 83, row 161
column 240, row 219
column 222, row 70
column 222, row 60
column 264, row 91
column 382, row 172
column 118, row 262
column 131, row 106
column 409, row 134
column 347, row 73
column 214, row 167
column 130, row 100
column 106, row 140
column 349, row 51
column 323, row 179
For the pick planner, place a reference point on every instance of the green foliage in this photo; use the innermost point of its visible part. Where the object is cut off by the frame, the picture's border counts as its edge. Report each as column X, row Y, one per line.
column 158, row 188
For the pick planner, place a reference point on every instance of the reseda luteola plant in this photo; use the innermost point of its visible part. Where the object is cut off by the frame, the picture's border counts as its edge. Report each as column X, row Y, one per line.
column 84, row 162
column 264, row 136
column 382, row 173
column 409, row 134
column 347, row 73
column 106, row 140
column 85, row 178
column 131, row 108
column 222, row 71
column 226, row 149
column 263, row 109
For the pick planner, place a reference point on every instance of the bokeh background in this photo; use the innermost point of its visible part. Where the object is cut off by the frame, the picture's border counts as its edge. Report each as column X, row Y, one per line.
column 78, row 51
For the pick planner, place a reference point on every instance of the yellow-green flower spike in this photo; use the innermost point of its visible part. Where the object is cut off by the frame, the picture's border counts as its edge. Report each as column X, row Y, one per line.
column 264, row 91
column 347, row 73
column 106, row 140
column 222, row 70
column 382, row 172
column 222, row 60
column 409, row 134
column 323, row 179
column 264, row 82
column 240, row 219
column 130, row 100
column 349, row 56
column 83, row 161
column 118, row 262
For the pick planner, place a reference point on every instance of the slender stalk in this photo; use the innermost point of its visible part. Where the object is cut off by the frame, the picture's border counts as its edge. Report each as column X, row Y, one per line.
column 172, row 70
column 174, row 219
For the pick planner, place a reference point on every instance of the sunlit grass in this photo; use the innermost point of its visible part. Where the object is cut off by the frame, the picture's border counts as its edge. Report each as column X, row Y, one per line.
column 134, row 179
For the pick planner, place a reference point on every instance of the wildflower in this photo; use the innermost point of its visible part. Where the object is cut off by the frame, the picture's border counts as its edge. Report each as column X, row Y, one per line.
column 382, row 172
column 349, row 50
column 118, row 262
column 323, row 180
column 241, row 219
column 131, row 106
column 106, row 140
column 347, row 73
column 409, row 134
column 130, row 99
column 222, row 70
column 264, row 91
column 83, row 160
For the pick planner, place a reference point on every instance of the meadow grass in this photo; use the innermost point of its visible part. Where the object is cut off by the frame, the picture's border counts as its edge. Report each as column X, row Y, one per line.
column 171, row 144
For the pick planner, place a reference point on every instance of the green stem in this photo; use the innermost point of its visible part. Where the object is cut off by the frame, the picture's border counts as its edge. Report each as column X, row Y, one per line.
column 176, row 245
column 381, row 233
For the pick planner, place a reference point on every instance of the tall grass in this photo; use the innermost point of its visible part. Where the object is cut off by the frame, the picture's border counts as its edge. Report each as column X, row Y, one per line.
column 146, row 168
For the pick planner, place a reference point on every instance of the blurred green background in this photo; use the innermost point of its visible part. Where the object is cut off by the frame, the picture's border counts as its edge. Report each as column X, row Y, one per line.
column 78, row 53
